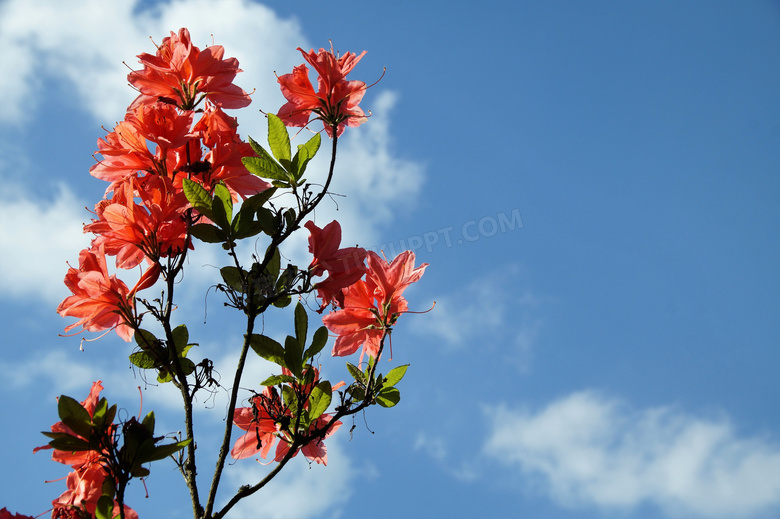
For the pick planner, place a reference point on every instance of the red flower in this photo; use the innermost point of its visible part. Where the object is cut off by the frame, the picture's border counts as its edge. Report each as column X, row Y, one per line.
column 85, row 486
column 182, row 74
column 336, row 101
column 344, row 266
column 5, row 514
column 162, row 124
column 124, row 152
column 372, row 307
column 153, row 229
column 100, row 301
column 268, row 419
column 314, row 450
column 260, row 426
column 80, row 458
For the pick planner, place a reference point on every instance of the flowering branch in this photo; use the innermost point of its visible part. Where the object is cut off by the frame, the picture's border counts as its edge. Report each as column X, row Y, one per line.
column 173, row 180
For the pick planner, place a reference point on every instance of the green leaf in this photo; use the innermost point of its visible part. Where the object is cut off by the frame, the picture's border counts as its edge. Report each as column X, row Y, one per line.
column 275, row 380
column 109, row 416
column 395, row 376
column 208, row 233
column 290, row 400
column 257, row 148
column 273, row 265
column 148, row 423
column 289, row 217
column 146, row 339
column 143, row 360
column 265, row 167
column 268, row 349
column 318, row 342
column 99, row 415
column 257, row 201
column 293, row 352
column 319, row 400
column 163, row 451
column 278, row 138
column 164, row 376
column 222, row 207
column 105, row 508
column 180, row 337
column 301, row 324
column 267, row 220
column 283, row 302
column 70, row 443
column 74, row 416
column 358, row 375
column 388, row 397
column 198, row 197
column 232, row 277
column 187, row 366
column 245, row 225
column 357, row 392
column 305, row 153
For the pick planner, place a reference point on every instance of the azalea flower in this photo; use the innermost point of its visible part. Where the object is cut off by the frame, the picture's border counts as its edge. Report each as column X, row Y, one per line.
column 269, row 420
column 5, row 514
column 125, row 152
column 99, row 300
column 372, row 306
column 336, row 101
column 344, row 266
column 85, row 486
column 182, row 74
column 151, row 230
column 76, row 459
column 315, row 450
column 260, row 426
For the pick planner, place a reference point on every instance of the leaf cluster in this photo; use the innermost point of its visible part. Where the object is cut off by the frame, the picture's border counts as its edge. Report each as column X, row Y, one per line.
column 161, row 355
column 279, row 166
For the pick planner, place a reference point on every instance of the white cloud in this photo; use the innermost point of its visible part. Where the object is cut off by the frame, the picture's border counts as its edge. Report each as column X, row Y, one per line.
column 594, row 451
column 324, row 489
column 85, row 43
column 486, row 304
column 59, row 368
column 37, row 237
column 438, row 450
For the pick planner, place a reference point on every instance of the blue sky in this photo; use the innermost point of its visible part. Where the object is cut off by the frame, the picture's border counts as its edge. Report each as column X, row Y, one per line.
column 594, row 184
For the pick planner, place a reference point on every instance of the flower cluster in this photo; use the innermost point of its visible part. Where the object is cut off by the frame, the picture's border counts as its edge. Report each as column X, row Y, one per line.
column 366, row 308
column 145, row 217
column 372, row 305
column 86, row 482
column 175, row 167
column 336, row 100
column 269, row 419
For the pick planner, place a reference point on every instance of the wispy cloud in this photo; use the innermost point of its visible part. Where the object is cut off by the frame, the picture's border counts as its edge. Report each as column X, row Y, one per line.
column 591, row 450
column 83, row 45
column 37, row 237
column 325, row 489
column 486, row 303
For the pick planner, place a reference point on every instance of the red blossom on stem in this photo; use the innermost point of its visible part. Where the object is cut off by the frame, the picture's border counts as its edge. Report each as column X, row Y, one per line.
column 372, row 306
column 100, row 301
column 85, row 483
column 182, row 74
column 268, row 419
column 336, row 101
column 344, row 266
column 5, row 514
